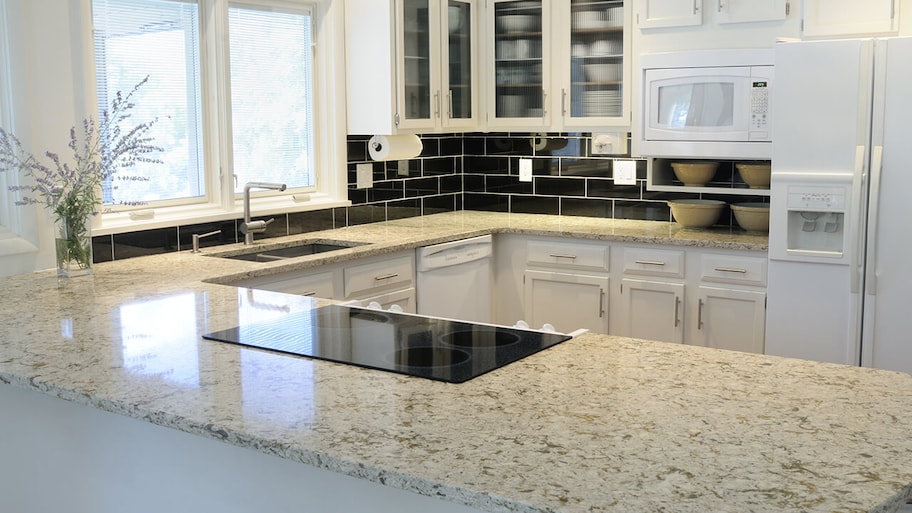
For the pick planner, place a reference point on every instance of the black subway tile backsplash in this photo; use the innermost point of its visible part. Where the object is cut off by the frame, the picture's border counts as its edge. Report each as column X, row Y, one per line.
column 472, row 171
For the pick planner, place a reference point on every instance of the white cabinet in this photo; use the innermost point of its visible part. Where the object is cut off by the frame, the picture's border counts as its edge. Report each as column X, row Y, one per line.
column 321, row 283
column 557, row 65
column 730, row 318
column 696, row 296
column 651, row 308
column 848, row 17
column 730, row 301
column 669, row 13
column 386, row 279
column 688, row 13
column 741, row 11
column 566, row 301
column 410, row 65
column 566, row 284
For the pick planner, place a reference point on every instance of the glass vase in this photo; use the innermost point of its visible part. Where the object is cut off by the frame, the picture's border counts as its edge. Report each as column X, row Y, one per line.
column 73, row 246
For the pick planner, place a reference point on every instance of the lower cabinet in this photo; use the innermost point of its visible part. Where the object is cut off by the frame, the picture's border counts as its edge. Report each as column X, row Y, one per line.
column 651, row 310
column 387, row 280
column 730, row 319
column 566, row 301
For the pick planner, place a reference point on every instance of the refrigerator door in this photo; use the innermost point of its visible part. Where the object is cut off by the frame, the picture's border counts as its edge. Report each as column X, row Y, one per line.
column 887, row 340
column 823, row 102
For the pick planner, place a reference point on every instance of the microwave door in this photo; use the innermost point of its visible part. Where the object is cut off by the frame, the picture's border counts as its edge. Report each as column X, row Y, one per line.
column 698, row 104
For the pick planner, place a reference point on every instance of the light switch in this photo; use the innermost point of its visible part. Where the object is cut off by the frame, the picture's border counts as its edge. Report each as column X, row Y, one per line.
column 625, row 172
column 525, row 170
column 365, row 175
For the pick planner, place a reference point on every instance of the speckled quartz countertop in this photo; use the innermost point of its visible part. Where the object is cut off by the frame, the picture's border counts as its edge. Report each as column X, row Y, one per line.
column 598, row 423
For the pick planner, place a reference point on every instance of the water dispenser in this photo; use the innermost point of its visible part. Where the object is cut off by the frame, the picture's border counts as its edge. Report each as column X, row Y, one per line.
column 809, row 217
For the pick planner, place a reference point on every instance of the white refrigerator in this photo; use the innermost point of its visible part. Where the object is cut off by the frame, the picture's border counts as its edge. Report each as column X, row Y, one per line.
column 840, row 259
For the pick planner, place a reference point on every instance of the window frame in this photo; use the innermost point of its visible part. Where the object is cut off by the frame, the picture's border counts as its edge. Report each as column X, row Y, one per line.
column 220, row 201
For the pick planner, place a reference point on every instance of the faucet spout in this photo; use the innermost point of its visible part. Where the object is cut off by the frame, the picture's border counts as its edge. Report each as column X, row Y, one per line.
column 248, row 227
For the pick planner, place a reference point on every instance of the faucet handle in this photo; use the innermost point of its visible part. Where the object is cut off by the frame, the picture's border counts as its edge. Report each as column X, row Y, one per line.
column 256, row 226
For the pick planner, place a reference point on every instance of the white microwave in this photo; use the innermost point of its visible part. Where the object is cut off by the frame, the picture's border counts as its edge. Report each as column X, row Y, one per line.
column 705, row 104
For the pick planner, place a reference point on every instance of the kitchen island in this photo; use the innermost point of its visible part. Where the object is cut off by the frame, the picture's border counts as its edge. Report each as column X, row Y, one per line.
column 598, row 423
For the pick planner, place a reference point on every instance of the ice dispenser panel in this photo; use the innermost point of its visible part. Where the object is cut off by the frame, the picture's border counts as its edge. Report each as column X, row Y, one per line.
column 816, row 221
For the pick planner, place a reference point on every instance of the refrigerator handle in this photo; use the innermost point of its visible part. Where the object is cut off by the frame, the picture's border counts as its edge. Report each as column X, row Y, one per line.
column 873, row 214
column 857, row 234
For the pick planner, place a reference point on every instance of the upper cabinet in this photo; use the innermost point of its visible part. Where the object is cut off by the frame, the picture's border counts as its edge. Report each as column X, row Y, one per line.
column 410, row 65
column 850, row 17
column 685, row 13
column 557, row 65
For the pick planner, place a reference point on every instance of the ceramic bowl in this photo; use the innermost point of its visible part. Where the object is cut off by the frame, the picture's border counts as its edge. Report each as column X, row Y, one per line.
column 694, row 174
column 601, row 72
column 696, row 213
column 516, row 22
column 756, row 176
column 753, row 217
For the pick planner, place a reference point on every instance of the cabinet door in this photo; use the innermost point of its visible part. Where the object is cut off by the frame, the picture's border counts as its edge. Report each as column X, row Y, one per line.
column 731, row 319
column 316, row 284
column 519, row 69
column 669, row 13
column 566, row 301
column 844, row 17
column 652, row 310
column 459, row 52
column 419, row 92
column 593, row 45
column 741, row 11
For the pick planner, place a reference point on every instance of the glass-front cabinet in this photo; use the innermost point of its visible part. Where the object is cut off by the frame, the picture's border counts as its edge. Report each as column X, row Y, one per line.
column 438, row 75
column 411, row 65
column 520, row 70
column 558, row 65
column 596, row 64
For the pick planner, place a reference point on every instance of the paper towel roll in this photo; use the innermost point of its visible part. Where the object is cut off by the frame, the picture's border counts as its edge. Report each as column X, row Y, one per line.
column 394, row 147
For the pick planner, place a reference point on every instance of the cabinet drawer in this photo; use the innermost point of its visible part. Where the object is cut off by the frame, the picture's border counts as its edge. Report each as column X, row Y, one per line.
column 654, row 262
column 733, row 269
column 372, row 278
column 567, row 255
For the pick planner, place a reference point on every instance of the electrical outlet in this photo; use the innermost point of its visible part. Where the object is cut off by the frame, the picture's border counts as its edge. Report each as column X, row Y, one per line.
column 365, row 175
column 403, row 168
column 625, row 172
column 525, row 170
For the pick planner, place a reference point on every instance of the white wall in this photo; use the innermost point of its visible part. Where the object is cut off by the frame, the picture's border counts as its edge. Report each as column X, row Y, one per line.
column 44, row 100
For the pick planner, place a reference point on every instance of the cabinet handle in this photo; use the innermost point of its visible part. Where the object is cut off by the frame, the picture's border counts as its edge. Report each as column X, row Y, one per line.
column 696, row 6
column 311, row 293
column 437, row 104
column 700, row 314
column 602, row 303
column 558, row 255
column 544, row 103
column 563, row 103
column 730, row 270
column 720, row 5
column 385, row 276
column 450, row 104
column 649, row 262
column 677, row 309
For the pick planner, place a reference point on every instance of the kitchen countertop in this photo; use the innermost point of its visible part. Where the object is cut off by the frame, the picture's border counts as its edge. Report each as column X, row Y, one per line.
column 598, row 423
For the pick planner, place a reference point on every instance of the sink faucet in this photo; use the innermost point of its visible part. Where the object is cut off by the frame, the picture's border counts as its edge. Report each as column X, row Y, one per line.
column 248, row 227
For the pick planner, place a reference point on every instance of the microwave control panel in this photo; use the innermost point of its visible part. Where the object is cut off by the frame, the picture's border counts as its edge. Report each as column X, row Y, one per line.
column 760, row 108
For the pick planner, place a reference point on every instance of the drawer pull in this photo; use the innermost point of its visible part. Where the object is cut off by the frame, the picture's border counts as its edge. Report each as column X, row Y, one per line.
column 385, row 276
column 730, row 270
column 677, row 308
column 558, row 255
column 311, row 293
column 649, row 262
column 700, row 314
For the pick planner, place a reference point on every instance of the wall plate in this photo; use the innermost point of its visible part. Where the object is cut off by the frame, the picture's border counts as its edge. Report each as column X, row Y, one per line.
column 365, row 175
column 625, row 172
column 525, row 170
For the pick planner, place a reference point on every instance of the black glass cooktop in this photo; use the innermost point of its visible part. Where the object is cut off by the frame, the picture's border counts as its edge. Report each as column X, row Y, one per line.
column 439, row 349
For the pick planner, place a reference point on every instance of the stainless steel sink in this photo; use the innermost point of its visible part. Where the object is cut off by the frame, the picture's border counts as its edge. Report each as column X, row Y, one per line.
column 304, row 248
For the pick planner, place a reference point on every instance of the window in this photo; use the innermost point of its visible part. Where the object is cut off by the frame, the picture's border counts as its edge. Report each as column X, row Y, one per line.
column 229, row 110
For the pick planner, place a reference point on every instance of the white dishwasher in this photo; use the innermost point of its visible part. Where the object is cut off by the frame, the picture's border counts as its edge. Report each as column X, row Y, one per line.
column 455, row 279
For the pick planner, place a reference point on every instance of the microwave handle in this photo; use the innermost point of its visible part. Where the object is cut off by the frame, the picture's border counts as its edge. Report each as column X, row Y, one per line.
column 696, row 6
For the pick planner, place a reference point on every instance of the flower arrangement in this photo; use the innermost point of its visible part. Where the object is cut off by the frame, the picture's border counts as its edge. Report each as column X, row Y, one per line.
column 71, row 190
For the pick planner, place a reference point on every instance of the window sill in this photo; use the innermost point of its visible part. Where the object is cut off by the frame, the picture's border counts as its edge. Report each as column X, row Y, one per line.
column 166, row 217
